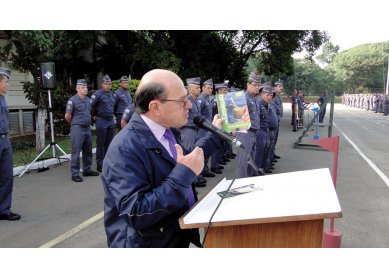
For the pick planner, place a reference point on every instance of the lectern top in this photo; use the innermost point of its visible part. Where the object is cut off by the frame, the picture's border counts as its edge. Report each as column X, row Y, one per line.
column 301, row 195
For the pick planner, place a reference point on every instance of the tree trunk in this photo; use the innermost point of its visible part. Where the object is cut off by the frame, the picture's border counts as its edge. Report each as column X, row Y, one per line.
column 40, row 130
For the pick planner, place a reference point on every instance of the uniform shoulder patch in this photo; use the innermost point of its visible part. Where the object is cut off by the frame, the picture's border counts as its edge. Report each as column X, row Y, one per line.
column 70, row 102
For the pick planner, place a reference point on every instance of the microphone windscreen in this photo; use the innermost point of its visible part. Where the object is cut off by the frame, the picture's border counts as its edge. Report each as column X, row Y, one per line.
column 198, row 120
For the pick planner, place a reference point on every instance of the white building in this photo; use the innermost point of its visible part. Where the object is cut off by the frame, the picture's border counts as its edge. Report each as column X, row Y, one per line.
column 21, row 111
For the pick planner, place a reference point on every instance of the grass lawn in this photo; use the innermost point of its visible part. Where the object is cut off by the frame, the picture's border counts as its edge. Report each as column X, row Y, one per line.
column 24, row 152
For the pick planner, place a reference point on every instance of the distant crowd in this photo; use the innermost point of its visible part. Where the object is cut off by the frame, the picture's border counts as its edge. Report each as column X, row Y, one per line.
column 378, row 102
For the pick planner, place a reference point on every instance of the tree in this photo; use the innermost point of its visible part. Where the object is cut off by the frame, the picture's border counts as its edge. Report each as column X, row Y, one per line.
column 273, row 48
column 362, row 66
column 309, row 77
column 328, row 53
column 25, row 50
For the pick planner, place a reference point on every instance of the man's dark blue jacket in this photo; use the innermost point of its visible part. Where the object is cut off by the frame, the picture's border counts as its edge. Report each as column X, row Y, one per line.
column 145, row 189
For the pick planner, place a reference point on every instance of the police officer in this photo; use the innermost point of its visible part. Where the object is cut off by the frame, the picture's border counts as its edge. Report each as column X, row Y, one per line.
column 278, row 87
column 321, row 102
column 6, row 162
column 79, row 117
column 300, row 104
column 123, row 100
column 217, row 155
column 386, row 105
column 248, row 137
column 273, row 129
column 263, row 136
column 293, row 100
column 190, row 132
column 102, row 105
column 205, row 99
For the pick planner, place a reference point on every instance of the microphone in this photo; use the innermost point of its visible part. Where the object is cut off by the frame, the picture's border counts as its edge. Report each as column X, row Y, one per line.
column 203, row 123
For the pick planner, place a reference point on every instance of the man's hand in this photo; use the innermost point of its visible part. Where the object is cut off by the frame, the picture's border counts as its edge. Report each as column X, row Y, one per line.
column 217, row 121
column 193, row 160
column 246, row 115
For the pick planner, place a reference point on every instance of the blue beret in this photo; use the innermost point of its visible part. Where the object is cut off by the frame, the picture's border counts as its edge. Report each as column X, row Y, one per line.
column 208, row 81
column 107, row 79
column 279, row 82
column 268, row 83
column 5, row 72
column 193, row 81
column 221, row 85
column 254, row 77
column 267, row 89
column 82, row 82
column 124, row 78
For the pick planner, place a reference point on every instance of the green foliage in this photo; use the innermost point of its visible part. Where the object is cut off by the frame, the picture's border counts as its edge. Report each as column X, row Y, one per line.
column 365, row 65
column 276, row 48
column 328, row 53
column 221, row 55
column 133, row 85
column 309, row 77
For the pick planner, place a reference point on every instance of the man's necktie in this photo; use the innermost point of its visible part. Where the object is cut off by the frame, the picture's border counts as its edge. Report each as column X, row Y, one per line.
column 172, row 141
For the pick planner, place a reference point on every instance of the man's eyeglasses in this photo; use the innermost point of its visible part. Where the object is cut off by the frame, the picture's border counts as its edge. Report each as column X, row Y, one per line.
column 183, row 101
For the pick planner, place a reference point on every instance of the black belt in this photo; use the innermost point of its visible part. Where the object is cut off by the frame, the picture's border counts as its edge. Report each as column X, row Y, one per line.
column 191, row 127
column 264, row 128
column 106, row 117
column 252, row 129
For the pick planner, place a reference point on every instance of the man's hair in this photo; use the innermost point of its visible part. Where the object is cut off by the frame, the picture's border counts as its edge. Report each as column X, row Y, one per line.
column 3, row 77
column 146, row 93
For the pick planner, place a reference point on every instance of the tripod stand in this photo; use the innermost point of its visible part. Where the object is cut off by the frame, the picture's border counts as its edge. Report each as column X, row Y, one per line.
column 53, row 144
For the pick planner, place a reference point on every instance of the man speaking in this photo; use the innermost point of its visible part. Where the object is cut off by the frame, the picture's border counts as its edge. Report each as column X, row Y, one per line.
column 147, row 175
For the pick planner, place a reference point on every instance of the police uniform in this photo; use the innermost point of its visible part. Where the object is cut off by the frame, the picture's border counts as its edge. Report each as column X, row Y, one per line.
column 80, row 134
column 217, row 155
column 386, row 105
column 206, row 112
column 128, row 113
column 263, row 137
column 6, row 161
column 294, row 101
column 248, row 137
column 190, row 132
column 123, row 100
column 102, row 106
column 273, row 131
column 279, row 108
column 322, row 101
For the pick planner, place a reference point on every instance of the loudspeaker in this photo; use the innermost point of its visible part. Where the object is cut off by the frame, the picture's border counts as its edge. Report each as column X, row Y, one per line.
column 48, row 75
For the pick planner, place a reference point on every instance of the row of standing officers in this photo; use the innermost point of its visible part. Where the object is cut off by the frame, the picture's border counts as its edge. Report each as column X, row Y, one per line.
column 103, row 105
column 264, row 107
column 376, row 102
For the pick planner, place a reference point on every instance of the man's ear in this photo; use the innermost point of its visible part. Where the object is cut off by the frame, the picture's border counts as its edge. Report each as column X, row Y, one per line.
column 154, row 107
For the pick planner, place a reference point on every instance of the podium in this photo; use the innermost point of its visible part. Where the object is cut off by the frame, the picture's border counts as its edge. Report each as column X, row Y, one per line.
column 281, row 210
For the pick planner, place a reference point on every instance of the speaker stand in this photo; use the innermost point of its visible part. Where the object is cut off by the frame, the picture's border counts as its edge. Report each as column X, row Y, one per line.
column 53, row 144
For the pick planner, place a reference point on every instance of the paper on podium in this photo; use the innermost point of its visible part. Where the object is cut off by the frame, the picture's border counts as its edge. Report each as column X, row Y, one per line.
column 289, row 195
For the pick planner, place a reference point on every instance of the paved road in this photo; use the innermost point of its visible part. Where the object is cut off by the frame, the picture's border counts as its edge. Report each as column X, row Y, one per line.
column 51, row 204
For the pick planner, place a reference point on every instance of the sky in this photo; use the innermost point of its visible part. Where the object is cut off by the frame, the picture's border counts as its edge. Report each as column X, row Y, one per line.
column 346, row 39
